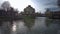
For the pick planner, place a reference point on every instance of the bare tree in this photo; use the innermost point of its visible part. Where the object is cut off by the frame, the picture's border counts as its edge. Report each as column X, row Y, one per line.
column 5, row 5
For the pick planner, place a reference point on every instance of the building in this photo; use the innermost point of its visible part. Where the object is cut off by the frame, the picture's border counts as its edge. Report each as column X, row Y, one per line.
column 29, row 10
column 58, row 3
column 9, row 14
column 48, row 13
column 2, row 12
column 53, row 13
column 12, row 13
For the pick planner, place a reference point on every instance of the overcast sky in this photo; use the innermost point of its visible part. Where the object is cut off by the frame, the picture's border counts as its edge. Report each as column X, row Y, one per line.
column 39, row 5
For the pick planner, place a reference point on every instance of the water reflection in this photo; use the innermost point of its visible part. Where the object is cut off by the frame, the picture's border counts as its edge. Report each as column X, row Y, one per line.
column 5, row 27
column 38, row 26
column 32, row 26
column 14, row 27
column 48, row 21
column 29, row 23
column 53, row 26
column 0, row 23
column 52, row 21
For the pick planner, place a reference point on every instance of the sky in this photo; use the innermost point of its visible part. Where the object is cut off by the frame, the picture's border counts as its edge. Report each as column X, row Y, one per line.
column 39, row 5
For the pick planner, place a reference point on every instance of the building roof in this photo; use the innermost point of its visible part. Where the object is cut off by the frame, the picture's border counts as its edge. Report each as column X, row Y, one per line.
column 29, row 6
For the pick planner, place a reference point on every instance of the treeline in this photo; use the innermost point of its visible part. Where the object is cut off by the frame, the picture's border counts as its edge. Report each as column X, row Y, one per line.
column 7, row 12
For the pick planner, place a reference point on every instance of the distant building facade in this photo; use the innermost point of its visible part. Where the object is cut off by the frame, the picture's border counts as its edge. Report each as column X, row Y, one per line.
column 9, row 13
column 29, row 10
column 58, row 3
column 54, row 14
column 2, row 12
column 12, row 12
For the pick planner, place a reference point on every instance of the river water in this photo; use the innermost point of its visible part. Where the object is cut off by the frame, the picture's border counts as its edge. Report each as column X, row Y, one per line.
column 40, row 25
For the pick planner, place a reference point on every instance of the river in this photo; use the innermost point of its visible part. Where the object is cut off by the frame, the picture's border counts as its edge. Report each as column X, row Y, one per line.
column 40, row 25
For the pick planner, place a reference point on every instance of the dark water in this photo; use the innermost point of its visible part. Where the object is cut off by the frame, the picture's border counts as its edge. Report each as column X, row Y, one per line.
column 40, row 25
